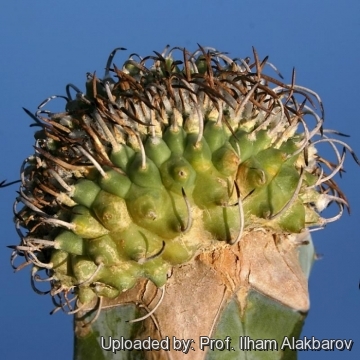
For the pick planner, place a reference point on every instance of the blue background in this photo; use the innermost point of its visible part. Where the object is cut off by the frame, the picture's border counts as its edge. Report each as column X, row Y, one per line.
column 46, row 44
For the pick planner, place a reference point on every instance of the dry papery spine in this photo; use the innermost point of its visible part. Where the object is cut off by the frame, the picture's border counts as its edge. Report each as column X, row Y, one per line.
column 144, row 101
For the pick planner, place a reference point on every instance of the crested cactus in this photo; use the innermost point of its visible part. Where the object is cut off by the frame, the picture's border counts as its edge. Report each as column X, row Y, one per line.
column 181, row 190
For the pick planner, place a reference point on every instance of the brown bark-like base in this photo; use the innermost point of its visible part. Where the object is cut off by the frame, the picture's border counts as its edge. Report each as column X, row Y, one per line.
column 196, row 293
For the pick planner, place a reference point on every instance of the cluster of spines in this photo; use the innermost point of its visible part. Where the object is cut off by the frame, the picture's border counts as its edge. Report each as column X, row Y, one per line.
column 131, row 159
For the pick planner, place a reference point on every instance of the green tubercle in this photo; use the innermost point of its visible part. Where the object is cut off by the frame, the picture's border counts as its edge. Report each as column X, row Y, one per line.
column 178, row 174
column 111, row 211
column 115, row 183
column 138, row 243
column 85, row 192
column 215, row 134
column 69, row 242
column 85, row 224
column 175, row 139
column 122, row 156
column 143, row 172
column 157, row 150
column 103, row 250
column 197, row 153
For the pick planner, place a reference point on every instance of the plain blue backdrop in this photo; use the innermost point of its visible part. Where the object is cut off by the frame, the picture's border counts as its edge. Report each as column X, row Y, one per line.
column 46, row 44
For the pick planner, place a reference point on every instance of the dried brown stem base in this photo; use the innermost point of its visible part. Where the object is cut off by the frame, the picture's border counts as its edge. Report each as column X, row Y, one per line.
column 197, row 292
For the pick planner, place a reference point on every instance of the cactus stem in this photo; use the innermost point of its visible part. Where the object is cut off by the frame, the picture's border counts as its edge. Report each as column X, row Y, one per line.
column 99, row 208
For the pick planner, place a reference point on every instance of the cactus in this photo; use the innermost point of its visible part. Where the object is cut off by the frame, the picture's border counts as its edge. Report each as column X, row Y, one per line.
column 174, row 200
